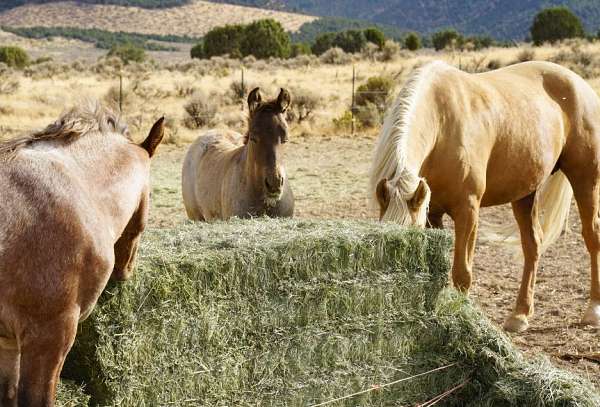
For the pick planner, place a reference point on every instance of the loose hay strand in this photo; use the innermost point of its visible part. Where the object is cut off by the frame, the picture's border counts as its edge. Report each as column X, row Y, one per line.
column 381, row 386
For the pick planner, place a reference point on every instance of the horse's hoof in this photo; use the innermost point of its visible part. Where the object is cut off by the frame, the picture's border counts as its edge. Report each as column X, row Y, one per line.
column 516, row 323
column 592, row 315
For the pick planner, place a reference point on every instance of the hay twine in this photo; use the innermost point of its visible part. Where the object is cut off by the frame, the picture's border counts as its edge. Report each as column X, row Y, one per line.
column 381, row 386
column 443, row 395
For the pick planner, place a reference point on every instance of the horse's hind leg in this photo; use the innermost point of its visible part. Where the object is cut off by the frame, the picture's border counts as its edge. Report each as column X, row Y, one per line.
column 9, row 372
column 43, row 350
column 586, row 190
column 525, row 211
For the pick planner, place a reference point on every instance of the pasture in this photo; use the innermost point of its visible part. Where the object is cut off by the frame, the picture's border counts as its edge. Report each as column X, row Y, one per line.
column 327, row 166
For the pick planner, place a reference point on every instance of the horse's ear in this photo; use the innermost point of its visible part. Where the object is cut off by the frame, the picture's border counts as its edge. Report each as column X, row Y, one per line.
column 254, row 99
column 284, row 100
column 155, row 137
column 419, row 196
column 383, row 194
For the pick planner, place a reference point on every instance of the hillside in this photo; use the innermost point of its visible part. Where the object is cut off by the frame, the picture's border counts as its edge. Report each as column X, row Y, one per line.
column 506, row 19
column 193, row 19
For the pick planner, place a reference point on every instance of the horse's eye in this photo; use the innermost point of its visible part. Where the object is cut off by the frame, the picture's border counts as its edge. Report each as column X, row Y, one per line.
column 284, row 139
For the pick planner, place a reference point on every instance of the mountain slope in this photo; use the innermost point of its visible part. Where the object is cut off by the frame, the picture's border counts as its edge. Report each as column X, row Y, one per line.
column 193, row 19
column 507, row 19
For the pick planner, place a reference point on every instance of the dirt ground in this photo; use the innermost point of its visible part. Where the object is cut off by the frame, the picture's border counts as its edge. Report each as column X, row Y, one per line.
column 329, row 177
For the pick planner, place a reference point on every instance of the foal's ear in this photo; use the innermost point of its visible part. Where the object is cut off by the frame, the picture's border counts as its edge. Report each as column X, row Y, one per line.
column 419, row 196
column 155, row 137
column 254, row 99
column 383, row 195
column 284, row 100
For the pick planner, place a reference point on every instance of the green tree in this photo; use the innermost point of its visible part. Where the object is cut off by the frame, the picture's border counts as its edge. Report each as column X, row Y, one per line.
column 322, row 43
column 445, row 38
column 14, row 57
column 224, row 40
column 300, row 48
column 264, row 39
column 554, row 24
column 197, row 51
column 375, row 36
column 128, row 53
column 350, row 41
column 412, row 42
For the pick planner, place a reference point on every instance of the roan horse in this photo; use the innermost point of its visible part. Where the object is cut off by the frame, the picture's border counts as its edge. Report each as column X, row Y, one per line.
column 454, row 142
column 223, row 178
column 74, row 202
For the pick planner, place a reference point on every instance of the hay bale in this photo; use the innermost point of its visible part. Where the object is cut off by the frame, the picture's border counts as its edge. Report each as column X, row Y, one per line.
column 289, row 312
column 69, row 394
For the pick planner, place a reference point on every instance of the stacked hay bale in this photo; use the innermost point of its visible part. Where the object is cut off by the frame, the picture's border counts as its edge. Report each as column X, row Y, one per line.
column 289, row 312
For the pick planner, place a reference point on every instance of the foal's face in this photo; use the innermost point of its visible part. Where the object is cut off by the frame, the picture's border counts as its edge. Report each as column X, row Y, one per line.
column 127, row 245
column 267, row 134
column 409, row 212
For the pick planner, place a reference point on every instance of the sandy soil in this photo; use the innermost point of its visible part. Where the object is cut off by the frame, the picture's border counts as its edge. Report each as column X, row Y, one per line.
column 329, row 176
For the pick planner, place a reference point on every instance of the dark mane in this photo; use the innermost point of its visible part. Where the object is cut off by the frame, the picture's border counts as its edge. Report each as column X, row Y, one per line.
column 89, row 117
column 270, row 106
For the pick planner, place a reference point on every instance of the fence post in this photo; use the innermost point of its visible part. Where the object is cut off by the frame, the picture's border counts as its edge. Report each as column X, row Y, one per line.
column 120, row 93
column 352, row 106
column 243, row 88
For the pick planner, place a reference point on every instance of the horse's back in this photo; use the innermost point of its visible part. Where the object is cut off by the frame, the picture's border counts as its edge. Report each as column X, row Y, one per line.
column 206, row 162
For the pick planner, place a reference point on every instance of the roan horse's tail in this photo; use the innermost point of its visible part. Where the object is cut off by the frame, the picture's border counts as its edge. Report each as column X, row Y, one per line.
column 554, row 204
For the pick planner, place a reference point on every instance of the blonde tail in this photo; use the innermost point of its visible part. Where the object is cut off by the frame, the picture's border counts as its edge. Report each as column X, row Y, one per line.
column 554, row 204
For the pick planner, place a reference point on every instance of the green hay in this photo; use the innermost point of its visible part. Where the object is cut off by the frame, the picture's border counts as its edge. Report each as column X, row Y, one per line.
column 273, row 312
column 69, row 394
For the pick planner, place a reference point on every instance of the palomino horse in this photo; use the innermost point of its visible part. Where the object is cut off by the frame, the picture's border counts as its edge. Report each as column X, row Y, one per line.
column 74, row 203
column 454, row 142
column 223, row 178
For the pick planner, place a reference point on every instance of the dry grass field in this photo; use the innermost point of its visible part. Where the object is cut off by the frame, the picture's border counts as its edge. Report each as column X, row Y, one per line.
column 193, row 20
column 327, row 165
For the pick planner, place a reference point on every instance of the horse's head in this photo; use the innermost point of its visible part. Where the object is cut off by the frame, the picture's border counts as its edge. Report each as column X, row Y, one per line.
column 127, row 245
column 398, row 206
column 267, row 132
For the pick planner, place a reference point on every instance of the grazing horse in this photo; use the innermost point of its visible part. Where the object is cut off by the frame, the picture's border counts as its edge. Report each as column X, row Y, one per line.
column 223, row 178
column 527, row 134
column 74, row 201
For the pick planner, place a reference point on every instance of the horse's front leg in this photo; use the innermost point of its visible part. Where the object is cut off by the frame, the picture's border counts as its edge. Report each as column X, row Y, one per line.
column 44, row 346
column 465, row 232
column 526, row 214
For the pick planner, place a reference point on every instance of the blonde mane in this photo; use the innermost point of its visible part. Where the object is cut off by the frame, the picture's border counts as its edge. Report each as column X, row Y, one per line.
column 89, row 116
column 389, row 158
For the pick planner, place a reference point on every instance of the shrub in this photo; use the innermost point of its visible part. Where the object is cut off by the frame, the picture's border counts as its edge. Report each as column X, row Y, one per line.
column 300, row 48
column 525, row 55
column 304, row 104
column 351, row 41
column 554, row 24
column 265, row 39
column 199, row 112
column 14, row 57
column 375, row 91
column 323, row 43
column 391, row 49
column 444, row 39
column 368, row 115
column 344, row 122
column 197, row 51
column 127, row 53
column 375, row 36
column 9, row 86
column 412, row 42
column 224, row 40
column 335, row 56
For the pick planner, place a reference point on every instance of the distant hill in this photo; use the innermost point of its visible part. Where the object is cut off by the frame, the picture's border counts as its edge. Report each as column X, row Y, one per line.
column 503, row 19
column 192, row 19
column 8, row 4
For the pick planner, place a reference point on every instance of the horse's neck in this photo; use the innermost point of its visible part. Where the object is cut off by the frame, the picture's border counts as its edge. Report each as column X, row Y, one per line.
column 112, row 175
column 423, row 133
